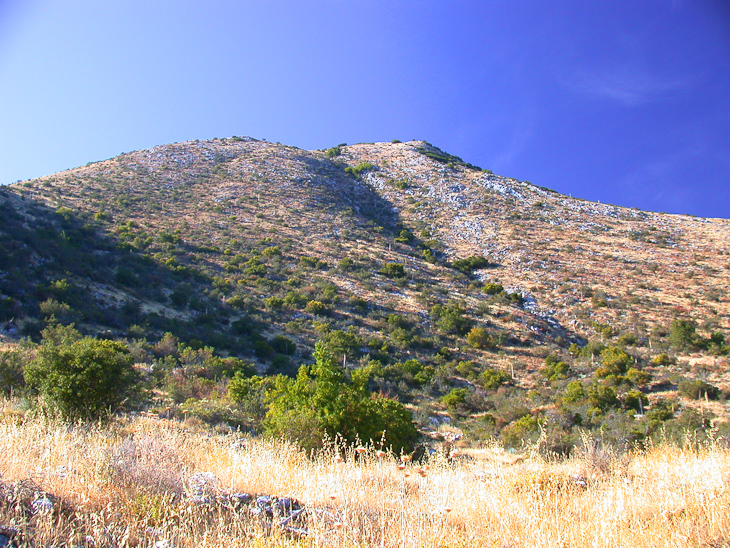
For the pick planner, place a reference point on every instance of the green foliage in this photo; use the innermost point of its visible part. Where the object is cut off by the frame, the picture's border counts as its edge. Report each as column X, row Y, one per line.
column 442, row 157
column 317, row 308
column 574, row 393
column 636, row 400
column 682, row 334
column 83, row 378
column 492, row 289
column 696, row 389
column 662, row 359
column 11, row 372
column 393, row 270
column 524, row 430
column 455, row 398
column 555, row 369
column 450, row 318
column 357, row 171
column 480, row 338
column 615, row 362
column 468, row 265
column 325, row 401
column 601, row 396
column 492, row 378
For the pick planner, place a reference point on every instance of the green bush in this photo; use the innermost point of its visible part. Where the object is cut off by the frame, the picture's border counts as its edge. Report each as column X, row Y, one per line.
column 492, row 378
column 682, row 334
column 555, row 369
column 468, row 265
column 697, row 389
column 11, row 372
column 480, row 338
column 317, row 308
column 328, row 401
column 493, row 289
column 393, row 270
column 84, row 378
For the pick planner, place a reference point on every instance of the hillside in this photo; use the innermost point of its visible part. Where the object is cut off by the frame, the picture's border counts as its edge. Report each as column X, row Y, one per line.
column 256, row 250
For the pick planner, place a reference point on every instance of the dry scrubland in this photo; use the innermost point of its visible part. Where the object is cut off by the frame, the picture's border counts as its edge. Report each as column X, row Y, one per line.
column 128, row 484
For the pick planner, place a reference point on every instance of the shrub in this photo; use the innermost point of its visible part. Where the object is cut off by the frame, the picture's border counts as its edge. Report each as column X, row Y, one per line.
column 358, row 170
column 455, row 398
column 492, row 378
column 480, row 338
column 523, row 430
column 393, row 270
column 493, row 289
column 283, row 345
column 614, row 362
column 11, row 372
column 325, row 401
column 317, row 308
column 83, row 379
column 555, row 369
column 468, row 265
column 450, row 318
column 697, row 389
column 682, row 334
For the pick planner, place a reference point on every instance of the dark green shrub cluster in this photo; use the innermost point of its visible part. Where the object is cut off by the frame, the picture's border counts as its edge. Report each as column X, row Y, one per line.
column 470, row 264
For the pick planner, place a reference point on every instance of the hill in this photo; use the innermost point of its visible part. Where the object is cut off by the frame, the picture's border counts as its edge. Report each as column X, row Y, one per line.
column 478, row 298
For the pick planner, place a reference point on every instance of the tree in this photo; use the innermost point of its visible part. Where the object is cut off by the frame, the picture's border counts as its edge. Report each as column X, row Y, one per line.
column 82, row 378
column 324, row 400
column 682, row 334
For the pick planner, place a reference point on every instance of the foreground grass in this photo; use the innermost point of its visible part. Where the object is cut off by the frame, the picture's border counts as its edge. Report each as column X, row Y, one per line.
column 125, row 484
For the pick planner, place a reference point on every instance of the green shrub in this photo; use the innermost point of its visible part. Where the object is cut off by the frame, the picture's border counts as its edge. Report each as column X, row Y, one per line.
column 696, row 389
column 317, row 308
column 524, row 430
column 11, row 372
column 682, row 334
column 468, row 265
column 455, row 398
column 358, row 170
column 480, row 338
column 493, row 289
column 325, row 400
column 492, row 378
column 393, row 270
column 555, row 369
column 83, row 379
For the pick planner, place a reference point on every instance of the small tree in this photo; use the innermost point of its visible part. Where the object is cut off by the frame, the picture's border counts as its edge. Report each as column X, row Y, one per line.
column 84, row 378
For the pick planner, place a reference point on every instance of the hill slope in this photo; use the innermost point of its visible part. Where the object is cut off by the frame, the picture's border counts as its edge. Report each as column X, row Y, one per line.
column 243, row 245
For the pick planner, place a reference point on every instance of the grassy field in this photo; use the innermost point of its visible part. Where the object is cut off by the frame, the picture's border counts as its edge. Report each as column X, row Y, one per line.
column 138, row 482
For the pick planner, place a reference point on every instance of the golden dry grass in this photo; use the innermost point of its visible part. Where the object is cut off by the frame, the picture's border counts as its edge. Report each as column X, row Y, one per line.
column 124, row 484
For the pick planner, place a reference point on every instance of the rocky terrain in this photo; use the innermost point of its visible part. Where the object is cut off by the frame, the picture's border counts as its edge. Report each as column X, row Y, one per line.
column 226, row 244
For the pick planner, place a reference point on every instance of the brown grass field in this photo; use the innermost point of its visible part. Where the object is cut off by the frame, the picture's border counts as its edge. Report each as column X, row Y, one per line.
column 129, row 483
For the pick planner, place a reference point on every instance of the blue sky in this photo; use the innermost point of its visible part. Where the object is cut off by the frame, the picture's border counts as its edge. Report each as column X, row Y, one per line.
column 624, row 102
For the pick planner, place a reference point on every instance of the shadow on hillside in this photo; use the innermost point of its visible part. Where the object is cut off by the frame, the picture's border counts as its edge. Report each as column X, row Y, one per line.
column 59, row 263
column 350, row 192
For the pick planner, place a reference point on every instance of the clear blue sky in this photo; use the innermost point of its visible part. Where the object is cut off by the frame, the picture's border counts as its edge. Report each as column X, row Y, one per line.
column 626, row 102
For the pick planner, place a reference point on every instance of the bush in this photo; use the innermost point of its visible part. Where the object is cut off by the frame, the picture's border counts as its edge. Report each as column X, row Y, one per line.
column 11, row 372
column 83, row 379
column 324, row 401
column 555, row 369
column 317, row 308
column 697, row 389
column 492, row 378
column 468, row 265
column 480, row 338
column 393, row 270
column 682, row 334
column 493, row 289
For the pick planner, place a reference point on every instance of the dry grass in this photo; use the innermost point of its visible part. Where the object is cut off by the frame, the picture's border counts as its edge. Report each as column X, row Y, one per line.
column 125, row 485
